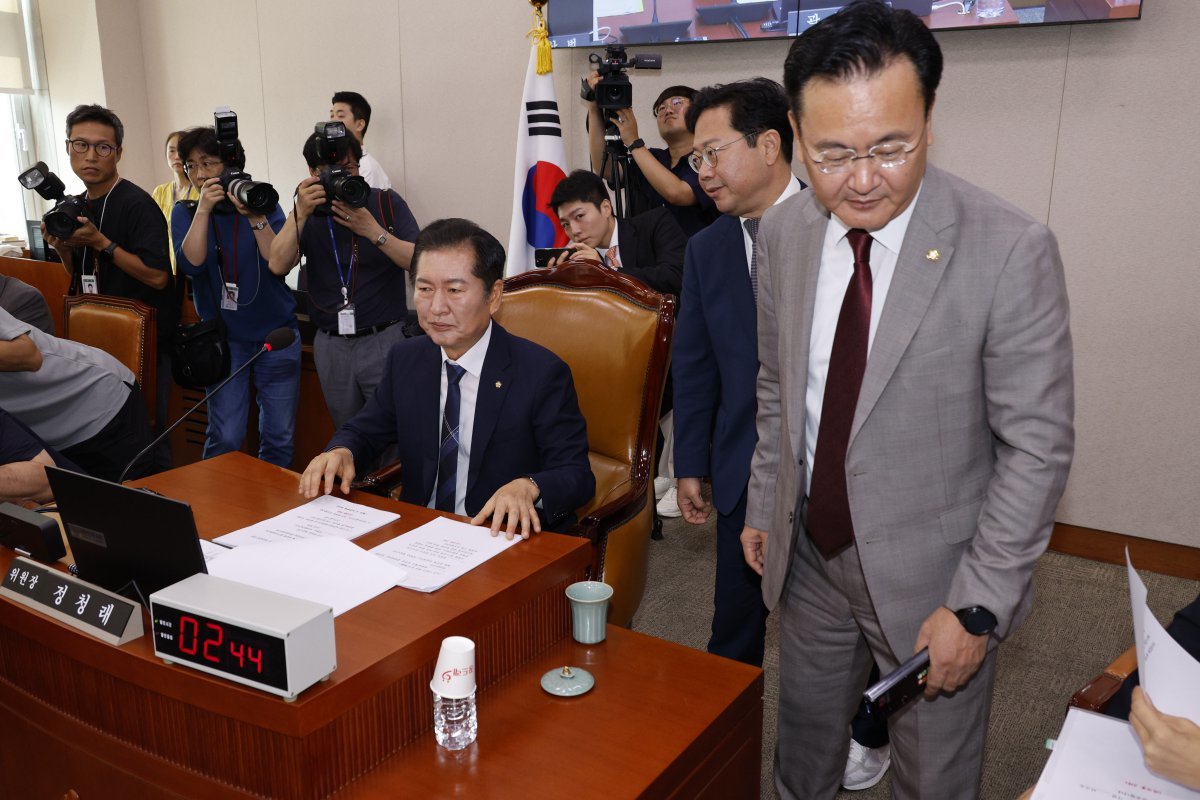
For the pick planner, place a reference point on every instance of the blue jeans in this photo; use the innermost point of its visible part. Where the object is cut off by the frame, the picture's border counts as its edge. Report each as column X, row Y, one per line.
column 277, row 385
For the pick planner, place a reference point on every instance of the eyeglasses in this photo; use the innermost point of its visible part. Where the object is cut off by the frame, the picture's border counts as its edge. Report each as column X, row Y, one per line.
column 206, row 164
column 708, row 155
column 674, row 103
column 103, row 149
column 886, row 155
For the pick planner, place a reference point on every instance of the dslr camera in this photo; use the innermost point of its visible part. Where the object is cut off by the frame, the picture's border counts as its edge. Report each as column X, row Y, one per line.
column 257, row 196
column 61, row 221
column 338, row 183
column 614, row 92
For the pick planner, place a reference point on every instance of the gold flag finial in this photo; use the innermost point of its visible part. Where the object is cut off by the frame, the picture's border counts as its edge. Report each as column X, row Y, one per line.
column 541, row 38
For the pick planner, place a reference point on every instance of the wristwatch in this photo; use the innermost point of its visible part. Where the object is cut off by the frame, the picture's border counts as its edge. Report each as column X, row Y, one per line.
column 110, row 249
column 259, row 226
column 382, row 238
column 977, row 620
column 635, row 144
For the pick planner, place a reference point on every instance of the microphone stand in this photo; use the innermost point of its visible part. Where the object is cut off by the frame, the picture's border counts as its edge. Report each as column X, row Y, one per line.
column 264, row 349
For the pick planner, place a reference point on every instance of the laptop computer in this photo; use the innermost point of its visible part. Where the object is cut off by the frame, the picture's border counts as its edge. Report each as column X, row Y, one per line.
column 126, row 540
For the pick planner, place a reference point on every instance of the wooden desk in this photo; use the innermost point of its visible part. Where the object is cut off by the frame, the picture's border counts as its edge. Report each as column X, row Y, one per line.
column 116, row 722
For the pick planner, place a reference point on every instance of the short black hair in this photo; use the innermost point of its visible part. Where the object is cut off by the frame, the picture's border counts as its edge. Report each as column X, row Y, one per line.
column 862, row 39
column 204, row 139
column 359, row 106
column 95, row 113
column 313, row 156
column 454, row 233
column 673, row 91
column 579, row 186
column 755, row 105
column 171, row 136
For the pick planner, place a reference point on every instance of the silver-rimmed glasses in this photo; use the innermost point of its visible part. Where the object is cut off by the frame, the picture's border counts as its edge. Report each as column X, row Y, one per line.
column 886, row 155
column 708, row 155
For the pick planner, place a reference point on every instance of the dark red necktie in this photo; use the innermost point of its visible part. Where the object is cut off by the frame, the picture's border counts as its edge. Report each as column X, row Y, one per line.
column 829, row 524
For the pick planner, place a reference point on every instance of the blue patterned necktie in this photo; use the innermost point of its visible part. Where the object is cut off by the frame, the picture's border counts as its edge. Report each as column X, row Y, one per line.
column 751, row 224
column 448, row 453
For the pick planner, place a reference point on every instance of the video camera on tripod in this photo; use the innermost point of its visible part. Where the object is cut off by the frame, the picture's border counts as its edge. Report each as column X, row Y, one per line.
column 613, row 94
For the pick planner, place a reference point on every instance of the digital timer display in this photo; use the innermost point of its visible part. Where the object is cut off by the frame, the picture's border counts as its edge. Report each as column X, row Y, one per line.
column 220, row 646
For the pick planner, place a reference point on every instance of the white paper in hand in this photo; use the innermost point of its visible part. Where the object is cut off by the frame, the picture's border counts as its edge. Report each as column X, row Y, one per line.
column 1168, row 673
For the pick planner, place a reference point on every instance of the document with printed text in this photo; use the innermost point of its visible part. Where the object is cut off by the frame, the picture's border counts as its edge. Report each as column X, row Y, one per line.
column 325, row 516
column 440, row 551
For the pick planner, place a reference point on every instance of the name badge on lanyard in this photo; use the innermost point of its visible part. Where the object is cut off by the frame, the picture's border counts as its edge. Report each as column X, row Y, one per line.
column 90, row 284
column 229, row 297
column 346, row 324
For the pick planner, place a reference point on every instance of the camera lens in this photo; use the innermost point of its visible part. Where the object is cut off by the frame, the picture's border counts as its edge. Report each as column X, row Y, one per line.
column 352, row 190
column 61, row 222
column 257, row 196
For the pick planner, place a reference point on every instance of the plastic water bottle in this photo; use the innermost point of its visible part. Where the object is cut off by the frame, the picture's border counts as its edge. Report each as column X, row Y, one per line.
column 455, row 723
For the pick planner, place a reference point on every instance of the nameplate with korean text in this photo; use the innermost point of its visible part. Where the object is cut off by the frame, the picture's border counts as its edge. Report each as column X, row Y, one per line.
column 108, row 617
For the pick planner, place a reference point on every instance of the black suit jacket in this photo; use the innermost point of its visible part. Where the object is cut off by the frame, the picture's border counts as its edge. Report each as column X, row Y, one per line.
column 651, row 248
column 715, row 363
column 527, row 422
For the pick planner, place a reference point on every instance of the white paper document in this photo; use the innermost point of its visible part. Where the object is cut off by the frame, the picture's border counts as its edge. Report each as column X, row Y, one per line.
column 325, row 516
column 325, row 569
column 1168, row 673
column 211, row 550
column 440, row 551
column 1098, row 758
column 610, row 8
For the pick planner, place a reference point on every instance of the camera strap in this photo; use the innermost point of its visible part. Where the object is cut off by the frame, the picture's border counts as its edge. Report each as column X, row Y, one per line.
column 100, row 227
column 221, row 250
column 388, row 219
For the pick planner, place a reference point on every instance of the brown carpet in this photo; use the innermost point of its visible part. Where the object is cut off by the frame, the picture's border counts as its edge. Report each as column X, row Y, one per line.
column 1080, row 622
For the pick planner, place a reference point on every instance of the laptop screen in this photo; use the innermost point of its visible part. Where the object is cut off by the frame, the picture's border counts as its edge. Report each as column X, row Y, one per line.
column 126, row 540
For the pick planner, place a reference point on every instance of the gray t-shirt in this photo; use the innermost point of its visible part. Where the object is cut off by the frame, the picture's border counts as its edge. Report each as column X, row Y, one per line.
column 77, row 391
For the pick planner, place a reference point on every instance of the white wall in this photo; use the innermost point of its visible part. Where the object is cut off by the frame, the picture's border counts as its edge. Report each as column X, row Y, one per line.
column 1086, row 127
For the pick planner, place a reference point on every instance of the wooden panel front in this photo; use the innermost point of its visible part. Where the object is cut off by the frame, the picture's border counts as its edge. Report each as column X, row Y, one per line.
column 196, row 730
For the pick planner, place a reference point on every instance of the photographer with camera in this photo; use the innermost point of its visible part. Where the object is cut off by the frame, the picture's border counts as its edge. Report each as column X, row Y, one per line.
column 358, row 246
column 667, row 178
column 121, row 246
column 223, row 246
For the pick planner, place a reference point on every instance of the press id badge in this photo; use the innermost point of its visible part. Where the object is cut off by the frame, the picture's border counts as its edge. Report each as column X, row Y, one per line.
column 346, row 326
column 229, row 298
column 90, row 284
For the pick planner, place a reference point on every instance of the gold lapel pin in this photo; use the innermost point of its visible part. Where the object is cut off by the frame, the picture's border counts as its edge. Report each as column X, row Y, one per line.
column 498, row 384
column 933, row 255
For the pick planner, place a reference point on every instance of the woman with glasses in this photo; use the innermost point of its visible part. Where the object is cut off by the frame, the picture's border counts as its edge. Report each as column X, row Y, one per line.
column 224, row 247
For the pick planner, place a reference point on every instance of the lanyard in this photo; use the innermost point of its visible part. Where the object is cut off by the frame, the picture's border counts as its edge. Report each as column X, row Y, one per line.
column 221, row 251
column 99, row 227
column 344, row 278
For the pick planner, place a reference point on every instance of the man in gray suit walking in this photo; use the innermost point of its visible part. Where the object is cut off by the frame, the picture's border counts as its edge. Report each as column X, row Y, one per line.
column 915, row 408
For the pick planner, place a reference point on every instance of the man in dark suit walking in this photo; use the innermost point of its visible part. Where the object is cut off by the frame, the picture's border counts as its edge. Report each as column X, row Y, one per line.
column 512, row 443
column 743, row 156
column 648, row 247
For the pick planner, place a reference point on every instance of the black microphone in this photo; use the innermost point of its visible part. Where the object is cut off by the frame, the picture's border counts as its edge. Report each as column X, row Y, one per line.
column 276, row 340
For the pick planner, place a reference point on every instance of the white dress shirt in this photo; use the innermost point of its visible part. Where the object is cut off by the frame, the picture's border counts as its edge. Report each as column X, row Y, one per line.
column 837, row 267
column 468, row 384
column 371, row 171
column 792, row 188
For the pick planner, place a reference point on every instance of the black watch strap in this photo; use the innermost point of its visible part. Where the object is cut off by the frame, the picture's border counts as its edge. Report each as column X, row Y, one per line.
column 112, row 248
column 635, row 144
column 977, row 620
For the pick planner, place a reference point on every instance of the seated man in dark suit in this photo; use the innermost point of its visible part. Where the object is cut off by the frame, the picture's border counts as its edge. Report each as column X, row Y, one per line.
column 511, row 445
column 648, row 247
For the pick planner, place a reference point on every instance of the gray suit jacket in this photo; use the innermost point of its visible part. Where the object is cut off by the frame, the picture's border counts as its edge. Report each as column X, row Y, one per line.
column 963, row 434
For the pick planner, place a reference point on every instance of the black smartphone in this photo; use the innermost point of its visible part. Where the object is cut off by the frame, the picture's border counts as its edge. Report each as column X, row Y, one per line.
column 893, row 692
column 542, row 256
